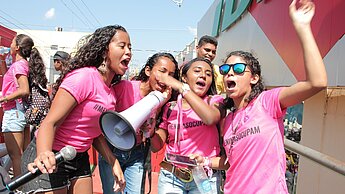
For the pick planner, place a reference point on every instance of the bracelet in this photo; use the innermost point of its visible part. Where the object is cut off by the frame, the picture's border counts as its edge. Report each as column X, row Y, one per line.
column 184, row 89
column 207, row 162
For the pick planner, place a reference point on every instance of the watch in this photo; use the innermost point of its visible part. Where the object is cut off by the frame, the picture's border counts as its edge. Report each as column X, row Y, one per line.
column 185, row 89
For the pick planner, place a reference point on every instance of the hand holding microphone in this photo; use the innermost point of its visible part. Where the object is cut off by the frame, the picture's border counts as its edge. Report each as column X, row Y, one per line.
column 50, row 161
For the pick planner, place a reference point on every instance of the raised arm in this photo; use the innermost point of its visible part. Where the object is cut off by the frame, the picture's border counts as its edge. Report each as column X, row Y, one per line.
column 209, row 114
column 316, row 76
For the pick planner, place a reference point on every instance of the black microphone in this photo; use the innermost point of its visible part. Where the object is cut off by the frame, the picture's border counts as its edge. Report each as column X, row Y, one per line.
column 66, row 153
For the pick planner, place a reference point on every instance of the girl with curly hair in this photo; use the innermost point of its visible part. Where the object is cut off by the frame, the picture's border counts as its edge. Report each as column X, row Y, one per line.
column 27, row 69
column 83, row 91
column 254, row 130
column 128, row 93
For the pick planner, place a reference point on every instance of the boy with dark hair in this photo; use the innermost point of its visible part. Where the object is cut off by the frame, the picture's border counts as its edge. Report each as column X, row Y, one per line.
column 207, row 48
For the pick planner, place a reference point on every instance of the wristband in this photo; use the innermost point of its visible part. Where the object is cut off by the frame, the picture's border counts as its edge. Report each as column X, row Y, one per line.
column 184, row 89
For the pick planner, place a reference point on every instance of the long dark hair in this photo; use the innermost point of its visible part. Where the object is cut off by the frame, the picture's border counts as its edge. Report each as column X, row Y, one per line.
column 37, row 69
column 92, row 53
column 212, row 90
column 255, row 68
column 151, row 61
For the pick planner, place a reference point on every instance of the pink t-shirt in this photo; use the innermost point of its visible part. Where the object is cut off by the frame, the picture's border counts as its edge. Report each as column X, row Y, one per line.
column 10, row 84
column 254, row 146
column 93, row 97
column 194, row 135
column 127, row 93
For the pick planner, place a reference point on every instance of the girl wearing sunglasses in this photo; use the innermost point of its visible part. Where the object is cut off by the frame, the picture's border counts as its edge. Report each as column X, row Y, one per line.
column 189, row 126
column 253, row 130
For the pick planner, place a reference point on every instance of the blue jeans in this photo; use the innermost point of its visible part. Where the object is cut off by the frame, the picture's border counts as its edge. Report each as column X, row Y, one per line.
column 169, row 183
column 132, row 165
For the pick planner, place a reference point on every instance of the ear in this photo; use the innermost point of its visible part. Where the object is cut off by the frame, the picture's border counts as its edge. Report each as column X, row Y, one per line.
column 184, row 79
column 147, row 71
column 254, row 79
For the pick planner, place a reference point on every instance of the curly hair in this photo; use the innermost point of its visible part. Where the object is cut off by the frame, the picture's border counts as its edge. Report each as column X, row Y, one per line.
column 255, row 69
column 92, row 53
column 212, row 90
column 37, row 69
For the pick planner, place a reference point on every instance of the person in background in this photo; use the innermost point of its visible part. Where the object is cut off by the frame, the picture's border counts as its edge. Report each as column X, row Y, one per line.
column 27, row 68
column 83, row 91
column 128, row 93
column 189, row 126
column 60, row 59
column 254, row 129
column 207, row 48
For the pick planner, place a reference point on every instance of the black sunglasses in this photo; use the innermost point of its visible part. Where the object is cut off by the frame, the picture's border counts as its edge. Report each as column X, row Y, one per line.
column 238, row 68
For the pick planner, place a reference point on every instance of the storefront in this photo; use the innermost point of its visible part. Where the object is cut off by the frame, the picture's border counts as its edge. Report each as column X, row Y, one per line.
column 264, row 28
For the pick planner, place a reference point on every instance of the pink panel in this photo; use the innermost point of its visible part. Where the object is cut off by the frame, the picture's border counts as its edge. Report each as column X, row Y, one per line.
column 328, row 27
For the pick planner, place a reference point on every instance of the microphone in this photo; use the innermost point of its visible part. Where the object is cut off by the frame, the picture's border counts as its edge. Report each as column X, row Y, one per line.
column 66, row 153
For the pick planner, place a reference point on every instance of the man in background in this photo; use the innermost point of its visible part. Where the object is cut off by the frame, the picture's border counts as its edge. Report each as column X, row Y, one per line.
column 60, row 59
column 207, row 48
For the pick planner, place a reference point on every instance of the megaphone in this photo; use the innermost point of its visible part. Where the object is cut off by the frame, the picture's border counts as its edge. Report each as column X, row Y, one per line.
column 120, row 128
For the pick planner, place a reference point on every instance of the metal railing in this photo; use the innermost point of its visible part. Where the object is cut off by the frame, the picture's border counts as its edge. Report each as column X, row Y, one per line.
column 323, row 159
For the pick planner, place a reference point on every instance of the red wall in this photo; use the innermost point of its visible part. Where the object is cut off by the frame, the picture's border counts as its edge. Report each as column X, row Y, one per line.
column 6, row 37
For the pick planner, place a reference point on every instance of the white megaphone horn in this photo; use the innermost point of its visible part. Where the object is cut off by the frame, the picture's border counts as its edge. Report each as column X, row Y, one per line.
column 120, row 128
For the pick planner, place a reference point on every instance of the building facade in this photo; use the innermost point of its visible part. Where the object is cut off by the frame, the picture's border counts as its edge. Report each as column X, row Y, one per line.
column 265, row 29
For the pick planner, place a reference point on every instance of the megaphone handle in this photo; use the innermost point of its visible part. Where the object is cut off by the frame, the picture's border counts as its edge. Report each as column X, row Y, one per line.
column 121, row 128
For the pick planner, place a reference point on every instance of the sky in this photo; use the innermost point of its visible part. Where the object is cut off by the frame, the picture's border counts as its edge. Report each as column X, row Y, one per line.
column 153, row 25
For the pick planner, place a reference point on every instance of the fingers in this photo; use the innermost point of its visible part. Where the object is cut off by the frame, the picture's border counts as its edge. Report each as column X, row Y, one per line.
column 292, row 6
column 119, row 186
column 167, row 92
column 31, row 167
column 198, row 158
column 120, row 182
column 45, row 162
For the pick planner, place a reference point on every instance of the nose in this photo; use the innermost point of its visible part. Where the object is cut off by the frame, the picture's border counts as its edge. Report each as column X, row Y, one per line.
column 202, row 74
column 128, row 51
column 231, row 72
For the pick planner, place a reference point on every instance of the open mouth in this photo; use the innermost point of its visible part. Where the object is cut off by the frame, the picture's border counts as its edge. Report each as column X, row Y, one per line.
column 230, row 84
column 161, row 87
column 201, row 83
column 125, row 62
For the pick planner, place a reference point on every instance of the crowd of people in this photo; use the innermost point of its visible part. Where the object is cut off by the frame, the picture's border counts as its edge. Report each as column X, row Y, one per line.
column 220, row 116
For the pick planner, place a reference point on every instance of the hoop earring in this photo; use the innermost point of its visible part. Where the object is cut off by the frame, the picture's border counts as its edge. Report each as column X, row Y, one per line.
column 103, row 67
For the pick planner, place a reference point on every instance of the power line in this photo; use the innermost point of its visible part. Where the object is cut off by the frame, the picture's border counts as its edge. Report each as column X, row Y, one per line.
column 75, row 14
column 82, row 13
column 45, row 27
column 33, row 36
column 99, row 23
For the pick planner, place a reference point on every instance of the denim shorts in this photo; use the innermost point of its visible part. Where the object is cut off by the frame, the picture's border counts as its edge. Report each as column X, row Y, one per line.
column 13, row 121
column 132, row 165
column 67, row 171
